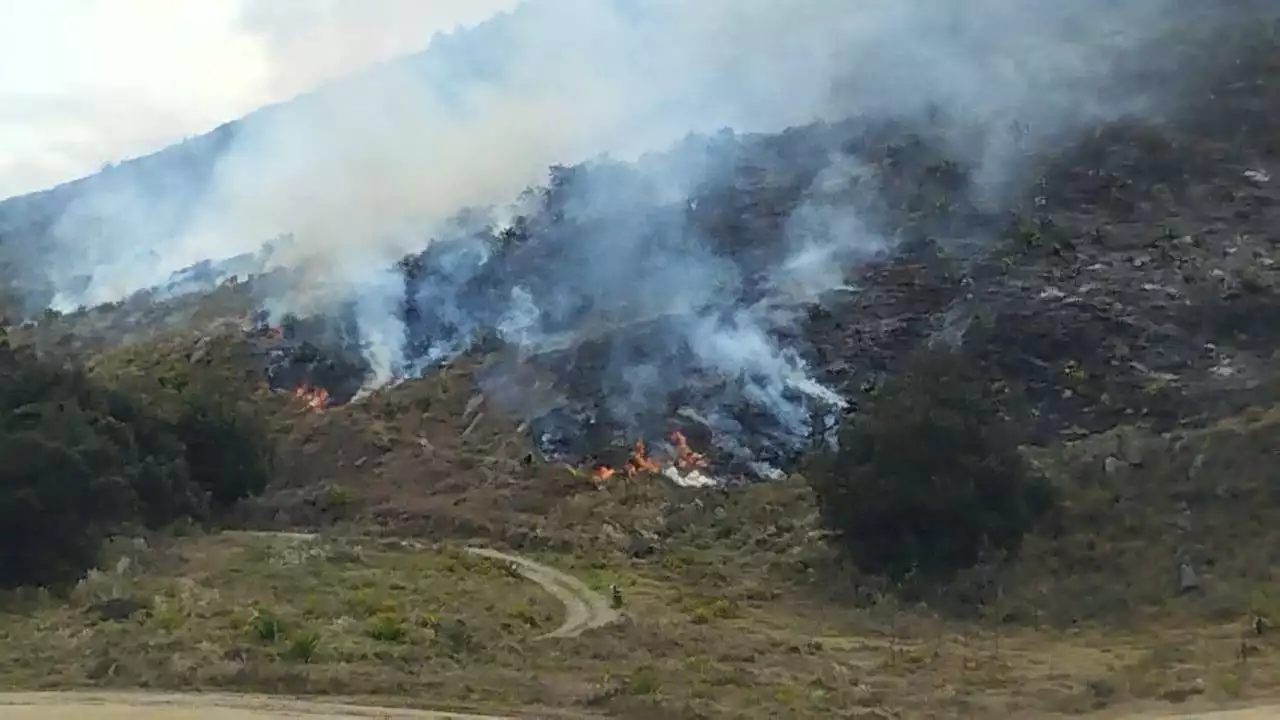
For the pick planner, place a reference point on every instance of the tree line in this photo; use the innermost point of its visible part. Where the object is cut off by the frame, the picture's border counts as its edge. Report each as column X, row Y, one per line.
column 81, row 460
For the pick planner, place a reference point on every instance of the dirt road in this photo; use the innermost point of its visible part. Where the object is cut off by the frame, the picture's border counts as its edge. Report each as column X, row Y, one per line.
column 585, row 609
column 173, row 706
column 164, row 706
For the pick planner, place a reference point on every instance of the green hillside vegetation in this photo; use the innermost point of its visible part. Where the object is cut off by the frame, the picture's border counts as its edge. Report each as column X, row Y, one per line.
column 85, row 459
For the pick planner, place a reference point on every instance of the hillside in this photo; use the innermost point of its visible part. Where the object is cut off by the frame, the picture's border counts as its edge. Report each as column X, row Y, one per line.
column 149, row 201
column 657, row 379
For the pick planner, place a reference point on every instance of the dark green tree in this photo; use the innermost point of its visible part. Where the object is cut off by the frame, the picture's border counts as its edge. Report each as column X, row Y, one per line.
column 78, row 461
column 929, row 477
column 228, row 450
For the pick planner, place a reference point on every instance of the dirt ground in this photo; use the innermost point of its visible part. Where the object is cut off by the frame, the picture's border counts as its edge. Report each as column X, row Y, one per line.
column 158, row 706
column 1260, row 712
column 139, row 706
column 585, row 609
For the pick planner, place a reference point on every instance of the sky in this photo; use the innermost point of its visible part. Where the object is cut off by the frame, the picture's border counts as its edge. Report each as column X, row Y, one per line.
column 88, row 82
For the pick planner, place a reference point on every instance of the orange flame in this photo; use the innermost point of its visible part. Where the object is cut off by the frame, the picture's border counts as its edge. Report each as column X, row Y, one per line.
column 316, row 398
column 601, row 473
column 639, row 461
column 686, row 458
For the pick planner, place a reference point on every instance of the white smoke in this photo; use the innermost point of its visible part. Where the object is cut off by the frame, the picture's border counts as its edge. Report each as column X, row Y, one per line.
column 373, row 160
column 366, row 169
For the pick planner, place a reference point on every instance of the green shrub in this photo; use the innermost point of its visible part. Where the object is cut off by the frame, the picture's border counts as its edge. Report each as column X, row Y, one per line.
column 266, row 626
column 387, row 628
column 54, row 511
column 302, row 648
column 82, row 460
column 67, row 474
column 929, row 478
column 227, row 450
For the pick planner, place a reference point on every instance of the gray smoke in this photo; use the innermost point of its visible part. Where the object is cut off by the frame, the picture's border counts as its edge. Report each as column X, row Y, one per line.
column 371, row 168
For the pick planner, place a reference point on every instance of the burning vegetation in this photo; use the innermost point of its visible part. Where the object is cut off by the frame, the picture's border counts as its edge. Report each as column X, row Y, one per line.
column 316, row 398
column 680, row 462
column 308, row 360
column 686, row 459
column 604, row 357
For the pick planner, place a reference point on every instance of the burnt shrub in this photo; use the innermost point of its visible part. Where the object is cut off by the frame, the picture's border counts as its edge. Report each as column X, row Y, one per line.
column 929, row 478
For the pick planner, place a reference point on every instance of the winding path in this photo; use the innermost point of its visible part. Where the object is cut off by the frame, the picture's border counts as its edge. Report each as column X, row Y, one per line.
column 585, row 609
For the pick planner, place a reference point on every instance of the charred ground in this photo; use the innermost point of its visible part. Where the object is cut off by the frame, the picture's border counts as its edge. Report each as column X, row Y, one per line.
column 1130, row 279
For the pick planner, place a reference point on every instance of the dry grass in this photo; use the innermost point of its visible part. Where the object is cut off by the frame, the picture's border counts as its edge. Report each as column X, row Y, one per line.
column 291, row 615
column 718, row 633
column 429, row 625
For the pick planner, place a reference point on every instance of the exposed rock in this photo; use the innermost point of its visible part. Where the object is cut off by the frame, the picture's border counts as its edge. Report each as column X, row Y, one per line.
column 1188, row 580
column 1185, row 692
column 1193, row 470
column 200, row 353
column 641, row 545
column 117, row 608
column 1131, row 447
column 1114, row 467
column 1183, row 521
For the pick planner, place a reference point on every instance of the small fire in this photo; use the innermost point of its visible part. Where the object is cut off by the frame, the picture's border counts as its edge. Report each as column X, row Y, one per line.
column 602, row 473
column 639, row 461
column 685, row 461
column 316, row 398
column 686, row 458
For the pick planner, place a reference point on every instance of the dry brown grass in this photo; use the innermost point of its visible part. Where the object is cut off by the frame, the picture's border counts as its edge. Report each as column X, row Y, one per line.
column 354, row 617
column 290, row 615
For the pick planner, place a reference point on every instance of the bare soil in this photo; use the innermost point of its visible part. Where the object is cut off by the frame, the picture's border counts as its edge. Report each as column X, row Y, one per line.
column 164, row 706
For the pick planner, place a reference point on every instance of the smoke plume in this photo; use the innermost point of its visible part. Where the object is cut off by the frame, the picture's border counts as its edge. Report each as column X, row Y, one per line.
column 374, row 167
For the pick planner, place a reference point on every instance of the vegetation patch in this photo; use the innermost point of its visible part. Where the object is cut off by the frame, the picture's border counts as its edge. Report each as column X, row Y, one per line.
column 929, row 478
column 84, row 460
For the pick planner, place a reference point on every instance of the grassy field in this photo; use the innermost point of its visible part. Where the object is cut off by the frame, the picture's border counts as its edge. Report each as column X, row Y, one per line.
column 435, row 626
column 285, row 614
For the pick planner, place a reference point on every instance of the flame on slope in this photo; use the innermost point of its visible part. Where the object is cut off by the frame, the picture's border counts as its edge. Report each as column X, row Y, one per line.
column 686, row 459
column 639, row 462
column 685, row 468
column 601, row 473
column 316, row 398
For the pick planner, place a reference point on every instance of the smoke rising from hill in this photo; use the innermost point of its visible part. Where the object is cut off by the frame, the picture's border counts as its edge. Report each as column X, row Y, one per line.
column 370, row 168
column 368, row 164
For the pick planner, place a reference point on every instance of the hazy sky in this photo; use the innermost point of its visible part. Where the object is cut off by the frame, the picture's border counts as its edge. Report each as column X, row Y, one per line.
column 86, row 82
